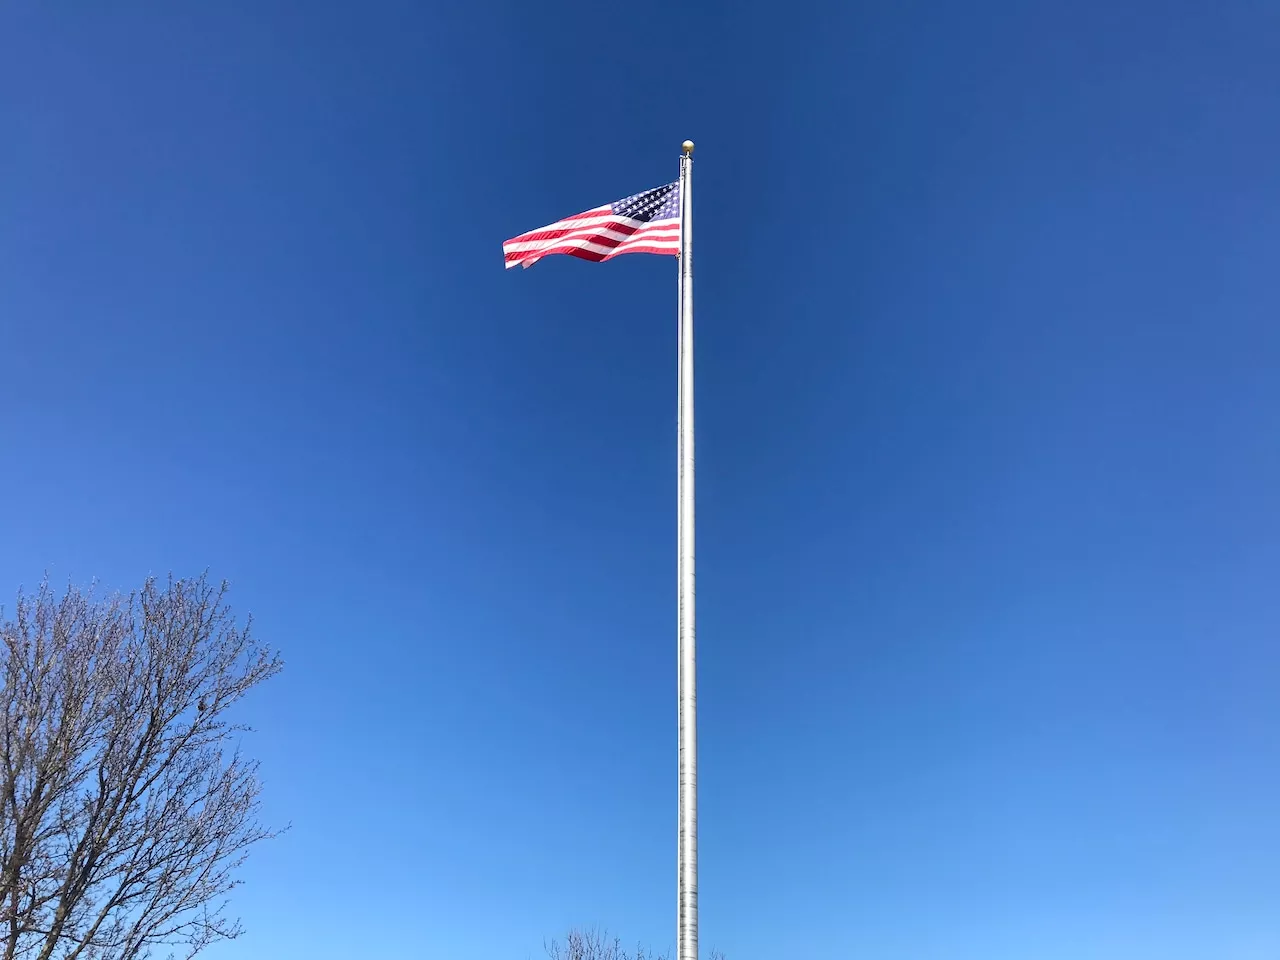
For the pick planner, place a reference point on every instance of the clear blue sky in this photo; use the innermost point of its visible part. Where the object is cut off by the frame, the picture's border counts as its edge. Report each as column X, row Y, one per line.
column 989, row 468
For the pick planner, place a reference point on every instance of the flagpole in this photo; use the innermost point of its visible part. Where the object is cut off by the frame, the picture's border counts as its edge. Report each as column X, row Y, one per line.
column 687, row 857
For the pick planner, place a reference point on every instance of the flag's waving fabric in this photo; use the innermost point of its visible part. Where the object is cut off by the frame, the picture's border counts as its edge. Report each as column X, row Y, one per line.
column 648, row 222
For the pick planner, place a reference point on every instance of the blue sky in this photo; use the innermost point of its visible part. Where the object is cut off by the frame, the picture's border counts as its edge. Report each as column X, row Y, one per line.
column 988, row 460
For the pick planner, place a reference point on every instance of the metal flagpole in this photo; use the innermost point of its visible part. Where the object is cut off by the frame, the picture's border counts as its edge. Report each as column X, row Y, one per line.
column 687, row 858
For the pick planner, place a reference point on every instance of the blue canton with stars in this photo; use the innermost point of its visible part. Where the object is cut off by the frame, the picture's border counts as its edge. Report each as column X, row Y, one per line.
column 660, row 203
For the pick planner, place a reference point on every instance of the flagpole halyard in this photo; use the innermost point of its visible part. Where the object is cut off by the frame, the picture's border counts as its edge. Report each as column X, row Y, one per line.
column 687, row 850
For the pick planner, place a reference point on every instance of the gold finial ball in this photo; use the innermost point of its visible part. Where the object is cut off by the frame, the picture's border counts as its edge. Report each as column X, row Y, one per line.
column 687, row 146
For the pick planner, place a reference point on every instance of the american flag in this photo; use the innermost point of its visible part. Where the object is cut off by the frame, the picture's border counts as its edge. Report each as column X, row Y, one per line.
column 648, row 222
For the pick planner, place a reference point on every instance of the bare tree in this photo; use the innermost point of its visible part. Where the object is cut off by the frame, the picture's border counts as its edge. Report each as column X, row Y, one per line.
column 125, row 805
column 595, row 945
column 598, row 945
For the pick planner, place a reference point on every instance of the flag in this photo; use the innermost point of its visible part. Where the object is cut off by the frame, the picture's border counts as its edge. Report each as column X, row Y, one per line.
column 648, row 222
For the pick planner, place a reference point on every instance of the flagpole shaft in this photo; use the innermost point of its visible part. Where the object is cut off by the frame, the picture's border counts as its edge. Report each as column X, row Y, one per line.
column 687, row 858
